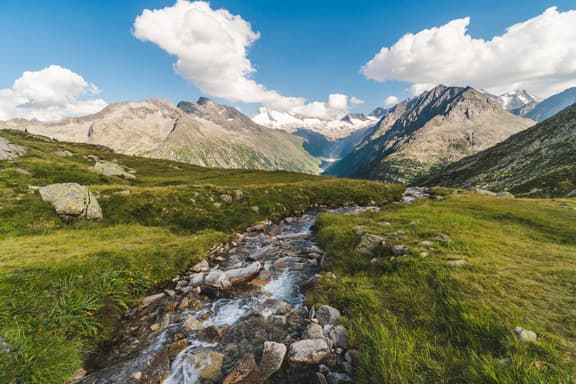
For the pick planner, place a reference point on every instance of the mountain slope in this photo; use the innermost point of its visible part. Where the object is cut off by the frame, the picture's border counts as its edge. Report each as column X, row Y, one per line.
column 537, row 161
column 436, row 128
column 203, row 133
column 552, row 105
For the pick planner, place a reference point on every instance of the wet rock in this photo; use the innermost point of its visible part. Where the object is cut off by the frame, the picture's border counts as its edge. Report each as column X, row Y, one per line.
column 242, row 371
column 525, row 335
column 339, row 335
column 149, row 300
column 108, row 168
column 202, row 266
column 327, row 315
column 192, row 324
column 442, row 238
column 313, row 331
column 71, row 200
column 310, row 351
column 272, row 359
column 239, row 275
column 456, row 263
column 338, row 378
column 320, row 378
column 368, row 244
column 208, row 363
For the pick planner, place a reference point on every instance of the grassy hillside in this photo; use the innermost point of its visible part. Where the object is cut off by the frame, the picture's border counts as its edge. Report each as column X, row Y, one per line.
column 63, row 286
column 419, row 320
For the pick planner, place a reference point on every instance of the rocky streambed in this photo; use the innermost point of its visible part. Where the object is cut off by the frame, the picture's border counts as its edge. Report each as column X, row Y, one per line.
column 237, row 317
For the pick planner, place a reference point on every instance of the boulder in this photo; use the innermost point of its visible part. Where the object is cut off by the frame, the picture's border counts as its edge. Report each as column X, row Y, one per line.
column 456, row 263
column 239, row 275
column 327, row 315
column 245, row 371
column 9, row 151
column 309, row 352
column 108, row 168
column 272, row 359
column 226, row 198
column 71, row 200
column 398, row 250
column 368, row 244
column 238, row 194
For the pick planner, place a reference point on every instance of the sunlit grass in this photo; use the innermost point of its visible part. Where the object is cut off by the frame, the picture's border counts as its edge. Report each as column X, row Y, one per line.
column 418, row 320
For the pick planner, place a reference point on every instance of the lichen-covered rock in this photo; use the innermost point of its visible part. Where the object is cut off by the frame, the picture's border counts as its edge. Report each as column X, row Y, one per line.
column 327, row 315
column 71, row 200
column 108, row 168
column 9, row 151
column 309, row 351
column 368, row 244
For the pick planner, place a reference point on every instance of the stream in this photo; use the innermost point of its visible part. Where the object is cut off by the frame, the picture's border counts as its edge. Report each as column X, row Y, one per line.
column 243, row 304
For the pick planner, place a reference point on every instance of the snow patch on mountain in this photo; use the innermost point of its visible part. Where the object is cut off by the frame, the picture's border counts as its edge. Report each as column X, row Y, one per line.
column 517, row 99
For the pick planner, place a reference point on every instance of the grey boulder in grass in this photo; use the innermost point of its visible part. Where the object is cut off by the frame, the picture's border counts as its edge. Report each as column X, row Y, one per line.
column 71, row 200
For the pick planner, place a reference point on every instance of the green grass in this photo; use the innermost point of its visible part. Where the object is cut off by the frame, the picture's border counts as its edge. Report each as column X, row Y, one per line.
column 63, row 286
column 418, row 320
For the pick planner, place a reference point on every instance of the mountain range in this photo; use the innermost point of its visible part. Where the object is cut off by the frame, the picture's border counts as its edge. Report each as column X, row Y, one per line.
column 203, row 133
column 428, row 132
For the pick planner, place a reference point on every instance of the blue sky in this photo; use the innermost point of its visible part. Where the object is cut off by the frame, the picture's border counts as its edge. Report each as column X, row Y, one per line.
column 306, row 49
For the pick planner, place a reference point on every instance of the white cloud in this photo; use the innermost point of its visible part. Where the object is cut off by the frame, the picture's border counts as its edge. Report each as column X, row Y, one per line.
column 538, row 54
column 356, row 101
column 391, row 101
column 49, row 94
column 211, row 47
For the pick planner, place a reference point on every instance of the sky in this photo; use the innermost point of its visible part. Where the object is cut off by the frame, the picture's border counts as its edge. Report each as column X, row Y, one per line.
column 317, row 58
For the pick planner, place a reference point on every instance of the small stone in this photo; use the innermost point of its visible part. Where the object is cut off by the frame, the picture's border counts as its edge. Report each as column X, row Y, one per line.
column 238, row 194
column 309, row 352
column 526, row 335
column 242, row 370
column 272, row 358
column 352, row 356
column 255, row 209
column 424, row 254
column 192, row 324
column 456, row 263
column 313, row 331
column 320, row 378
column 154, row 327
column 425, row 243
column 338, row 378
column 442, row 238
column 398, row 250
column 137, row 375
column 339, row 335
column 202, row 266
column 149, row 300
column 327, row 315
column 226, row 198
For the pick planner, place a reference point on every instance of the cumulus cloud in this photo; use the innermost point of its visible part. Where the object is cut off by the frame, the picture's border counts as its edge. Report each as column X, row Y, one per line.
column 49, row 94
column 391, row 101
column 211, row 48
column 538, row 54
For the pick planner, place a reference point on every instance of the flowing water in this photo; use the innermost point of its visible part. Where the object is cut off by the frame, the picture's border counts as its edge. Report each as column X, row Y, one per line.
column 194, row 326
